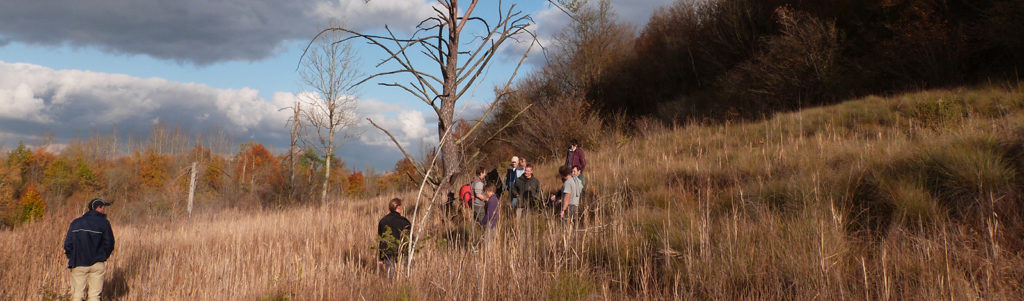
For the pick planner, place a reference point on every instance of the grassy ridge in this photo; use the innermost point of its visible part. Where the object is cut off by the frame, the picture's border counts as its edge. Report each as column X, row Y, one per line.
column 915, row 196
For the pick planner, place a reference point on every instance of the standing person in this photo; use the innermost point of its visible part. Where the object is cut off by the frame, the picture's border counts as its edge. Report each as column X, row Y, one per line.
column 577, row 175
column 526, row 190
column 514, row 171
column 575, row 157
column 479, row 199
column 491, row 217
column 393, row 231
column 87, row 245
column 569, row 206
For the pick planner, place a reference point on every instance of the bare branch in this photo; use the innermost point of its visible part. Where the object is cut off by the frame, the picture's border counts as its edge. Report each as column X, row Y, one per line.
column 399, row 145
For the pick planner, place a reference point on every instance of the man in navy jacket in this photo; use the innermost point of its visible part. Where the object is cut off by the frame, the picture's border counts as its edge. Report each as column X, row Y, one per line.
column 88, row 245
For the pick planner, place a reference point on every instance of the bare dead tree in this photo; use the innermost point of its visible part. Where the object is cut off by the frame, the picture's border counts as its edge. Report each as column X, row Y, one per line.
column 296, row 124
column 330, row 71
column 439, row 39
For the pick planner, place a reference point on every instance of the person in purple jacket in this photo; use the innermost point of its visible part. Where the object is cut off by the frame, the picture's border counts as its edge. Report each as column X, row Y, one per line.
column 575, row 157
column 491, row 218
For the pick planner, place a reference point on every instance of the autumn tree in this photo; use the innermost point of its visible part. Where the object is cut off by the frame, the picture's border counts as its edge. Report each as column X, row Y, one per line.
column 404, row 176
column 19, row 161
column 258, row 170
column 30, row 206
column 152, row 169
column 59, row 178
column 356, row 185
column 329, row 69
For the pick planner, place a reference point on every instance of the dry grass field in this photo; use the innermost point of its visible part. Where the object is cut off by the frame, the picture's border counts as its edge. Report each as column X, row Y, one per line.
column 917, row 196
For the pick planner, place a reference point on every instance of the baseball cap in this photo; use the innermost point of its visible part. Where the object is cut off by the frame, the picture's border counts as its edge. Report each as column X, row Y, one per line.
column 97, row 202
column 515, row 159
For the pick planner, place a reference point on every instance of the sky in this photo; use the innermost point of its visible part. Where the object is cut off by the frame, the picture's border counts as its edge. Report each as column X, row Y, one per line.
column 75, row 68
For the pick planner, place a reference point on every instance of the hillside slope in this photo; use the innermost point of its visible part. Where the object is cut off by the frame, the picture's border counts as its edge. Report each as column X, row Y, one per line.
column 915, row 196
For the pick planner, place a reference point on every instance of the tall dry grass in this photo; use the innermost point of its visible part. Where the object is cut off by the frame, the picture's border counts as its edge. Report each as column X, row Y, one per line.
column 915, row 196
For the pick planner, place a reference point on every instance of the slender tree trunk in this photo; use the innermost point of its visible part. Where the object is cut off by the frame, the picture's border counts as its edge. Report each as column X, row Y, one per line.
column 291, row 150
column 327, row 167
column 191, row 189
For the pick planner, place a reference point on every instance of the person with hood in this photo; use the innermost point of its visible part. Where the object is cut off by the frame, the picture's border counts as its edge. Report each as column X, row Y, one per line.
column 88, row 245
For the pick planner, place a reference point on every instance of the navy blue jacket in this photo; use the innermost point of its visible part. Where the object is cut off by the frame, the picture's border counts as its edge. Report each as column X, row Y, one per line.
column 89, row 240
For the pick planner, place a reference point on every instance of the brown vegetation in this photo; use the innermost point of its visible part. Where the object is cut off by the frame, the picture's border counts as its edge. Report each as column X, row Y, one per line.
column 916, row 196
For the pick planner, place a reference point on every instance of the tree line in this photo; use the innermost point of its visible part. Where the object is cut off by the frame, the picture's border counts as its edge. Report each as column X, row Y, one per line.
column 147, row 180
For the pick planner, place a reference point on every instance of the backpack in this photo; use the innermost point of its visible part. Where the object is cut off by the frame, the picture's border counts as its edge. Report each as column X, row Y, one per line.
column 466, row 193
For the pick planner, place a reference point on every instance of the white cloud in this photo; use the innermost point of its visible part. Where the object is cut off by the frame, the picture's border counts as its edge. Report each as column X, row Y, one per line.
column 413, row 124
column 21, row 103
column 35, row 99
column 410, row 127
column 70, row 101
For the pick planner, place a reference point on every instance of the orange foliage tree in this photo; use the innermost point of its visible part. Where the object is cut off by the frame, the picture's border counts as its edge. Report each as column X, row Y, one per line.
column 356, row 187
column 404, row 176
column 258, row 169
column 31, row 206
column 152, row 169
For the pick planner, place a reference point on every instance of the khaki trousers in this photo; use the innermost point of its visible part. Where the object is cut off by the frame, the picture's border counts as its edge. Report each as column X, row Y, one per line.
column 93, row 275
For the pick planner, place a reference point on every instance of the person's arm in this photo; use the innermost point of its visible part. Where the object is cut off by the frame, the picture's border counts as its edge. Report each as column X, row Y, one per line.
column 565, row 204
column 107, row 246
column 479, row 194
column 517, row 189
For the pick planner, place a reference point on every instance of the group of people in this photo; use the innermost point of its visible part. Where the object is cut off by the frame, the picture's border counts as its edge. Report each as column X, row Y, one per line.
column 524, row 189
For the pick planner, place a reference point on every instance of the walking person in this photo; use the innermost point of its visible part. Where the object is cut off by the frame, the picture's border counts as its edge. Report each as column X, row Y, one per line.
column 513, row 172
column 393, row 231
column 570, row 198
column 88, row 245
column 526, row 190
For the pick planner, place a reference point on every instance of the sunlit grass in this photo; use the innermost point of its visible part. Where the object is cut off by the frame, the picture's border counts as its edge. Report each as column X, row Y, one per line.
column 914, row 196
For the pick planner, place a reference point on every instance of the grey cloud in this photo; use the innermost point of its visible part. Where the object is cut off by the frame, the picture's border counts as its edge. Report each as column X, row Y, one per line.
column 194, row 31
column 75, row 103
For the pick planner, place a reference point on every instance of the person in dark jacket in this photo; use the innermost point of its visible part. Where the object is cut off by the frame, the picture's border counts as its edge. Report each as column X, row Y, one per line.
column 575, row 156
column 87, row 245
column 393, row 230
column 526, row 190
column 513, row 172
